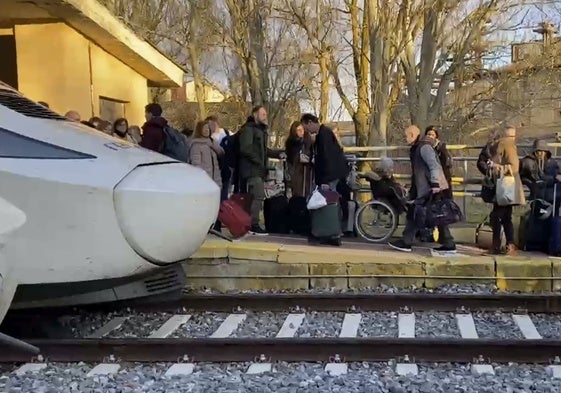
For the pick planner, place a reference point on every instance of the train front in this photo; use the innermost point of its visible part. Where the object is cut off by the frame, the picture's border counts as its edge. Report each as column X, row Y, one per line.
column 105, row 220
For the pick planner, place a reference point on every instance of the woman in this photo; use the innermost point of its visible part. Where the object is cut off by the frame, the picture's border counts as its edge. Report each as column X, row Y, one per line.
column 505, row 159
column 121, row 130
column 204, row 152
column 444, row 157
column 297, row 148
column 134, row 133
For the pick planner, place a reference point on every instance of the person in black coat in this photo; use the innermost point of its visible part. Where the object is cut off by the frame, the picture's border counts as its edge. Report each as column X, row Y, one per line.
column 330, row 164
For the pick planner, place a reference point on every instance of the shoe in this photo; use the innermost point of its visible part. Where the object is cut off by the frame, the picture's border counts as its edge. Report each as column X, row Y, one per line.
column 511, row 250
column 257, row 231
column 446, row 248
column 400, row 246
column 335, row 242
column 493, row 251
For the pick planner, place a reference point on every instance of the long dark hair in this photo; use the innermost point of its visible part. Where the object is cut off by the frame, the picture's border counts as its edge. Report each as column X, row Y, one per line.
column 199, row 129
column 120, row 121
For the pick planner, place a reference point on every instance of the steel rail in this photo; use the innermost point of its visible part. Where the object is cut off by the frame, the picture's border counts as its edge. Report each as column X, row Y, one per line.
column 300, row 349
column 532, row 303
column 366, row 302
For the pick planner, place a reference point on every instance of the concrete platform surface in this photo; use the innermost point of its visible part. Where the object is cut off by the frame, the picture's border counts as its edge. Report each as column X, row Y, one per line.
column 290, row 263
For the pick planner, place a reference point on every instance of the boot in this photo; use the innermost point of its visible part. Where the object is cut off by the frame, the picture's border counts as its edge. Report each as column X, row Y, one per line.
column 511, row 250
column 495, row 248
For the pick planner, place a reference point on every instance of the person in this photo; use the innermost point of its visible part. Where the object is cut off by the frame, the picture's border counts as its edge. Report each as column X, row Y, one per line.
column 121, row 130
column 540, row 172
column 43, row 103
column 298, row 159
column 427, row 178
column 97, row 123
column 384, row 185
column 330, row 164
column 445, row 158
column 504, row 153
column 222, row 137
column 204, row 152
column 87, row 123
column 153, row 136
column 134, row 132
column 73, row 116
column 252, row 162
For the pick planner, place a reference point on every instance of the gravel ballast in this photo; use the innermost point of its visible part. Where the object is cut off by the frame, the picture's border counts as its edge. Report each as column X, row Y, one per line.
column 200, row 325
column 260, row 325
column 286, row 378
column 140, row 325
column 378, row 324
column 321, row 324
column 548, row 326
column 496, row 326
column 436, row 325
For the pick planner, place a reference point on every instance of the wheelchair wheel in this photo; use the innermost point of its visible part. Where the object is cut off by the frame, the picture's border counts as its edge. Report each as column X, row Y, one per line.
column 376, row 221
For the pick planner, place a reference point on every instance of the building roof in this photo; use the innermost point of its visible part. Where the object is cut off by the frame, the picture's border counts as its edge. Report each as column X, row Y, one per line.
column 96, row 22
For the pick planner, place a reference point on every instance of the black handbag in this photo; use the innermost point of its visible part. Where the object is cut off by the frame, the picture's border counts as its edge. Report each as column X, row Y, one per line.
column 488, row 189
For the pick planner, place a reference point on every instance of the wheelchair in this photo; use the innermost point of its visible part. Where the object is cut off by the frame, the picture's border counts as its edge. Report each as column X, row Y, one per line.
column 377, row 220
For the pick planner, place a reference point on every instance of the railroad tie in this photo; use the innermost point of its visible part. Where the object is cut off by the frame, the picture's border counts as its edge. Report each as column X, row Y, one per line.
column 170, row 326
column 113, row 324
column 349, row 329
column 466, row 325
column 526, row 326
column 229, row 325
column 406, row 329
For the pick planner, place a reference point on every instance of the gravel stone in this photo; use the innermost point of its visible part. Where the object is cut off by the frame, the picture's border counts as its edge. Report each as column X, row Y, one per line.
column 140, row 325
column 496, row 325
column 438, row 324
column 378, row 324
column 286, row 378
column 200, row 325
column 549, row 326
column 81, row 325
column 321, row 324
column 261, row 324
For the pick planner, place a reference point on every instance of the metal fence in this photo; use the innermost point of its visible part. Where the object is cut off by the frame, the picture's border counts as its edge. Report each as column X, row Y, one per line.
column 467, row 184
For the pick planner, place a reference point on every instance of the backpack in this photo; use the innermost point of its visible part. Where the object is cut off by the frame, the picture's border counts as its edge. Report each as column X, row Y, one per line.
column 230, row 144
column 176, row 145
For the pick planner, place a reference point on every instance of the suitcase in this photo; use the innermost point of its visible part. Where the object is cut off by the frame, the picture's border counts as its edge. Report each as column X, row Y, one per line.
column 326, row 221
column 276, row 211
column 555, row 233
column 235, row 218
column 298, row 213
column 533, row 233
column 244, row 200
column 349, row 223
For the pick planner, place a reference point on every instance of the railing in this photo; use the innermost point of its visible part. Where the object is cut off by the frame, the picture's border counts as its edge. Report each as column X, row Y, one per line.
column 463, row 181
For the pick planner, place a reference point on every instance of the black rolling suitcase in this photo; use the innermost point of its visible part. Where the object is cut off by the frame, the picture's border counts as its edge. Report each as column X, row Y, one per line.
column 298, row 213
column 275, row 212
column 555, row 233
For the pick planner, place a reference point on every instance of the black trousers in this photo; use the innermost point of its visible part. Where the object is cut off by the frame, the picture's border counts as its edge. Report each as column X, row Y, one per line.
column 501, row 216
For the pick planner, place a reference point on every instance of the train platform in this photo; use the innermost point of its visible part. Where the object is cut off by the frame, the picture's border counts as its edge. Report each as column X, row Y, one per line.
column 288, row 262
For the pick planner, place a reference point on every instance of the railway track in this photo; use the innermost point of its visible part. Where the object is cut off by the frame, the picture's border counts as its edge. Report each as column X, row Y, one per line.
column 347, row 345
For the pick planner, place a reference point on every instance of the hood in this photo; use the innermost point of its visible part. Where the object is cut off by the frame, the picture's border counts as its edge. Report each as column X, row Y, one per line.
column 157, row 121
column 540, row 144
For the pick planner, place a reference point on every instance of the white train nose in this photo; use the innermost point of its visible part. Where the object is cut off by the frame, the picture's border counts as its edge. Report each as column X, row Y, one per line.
column 166, row 210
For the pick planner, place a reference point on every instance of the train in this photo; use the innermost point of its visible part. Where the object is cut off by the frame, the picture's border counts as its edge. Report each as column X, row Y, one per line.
column 88, row 218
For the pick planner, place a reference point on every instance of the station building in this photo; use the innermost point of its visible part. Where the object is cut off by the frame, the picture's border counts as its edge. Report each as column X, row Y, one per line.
column 74, row 54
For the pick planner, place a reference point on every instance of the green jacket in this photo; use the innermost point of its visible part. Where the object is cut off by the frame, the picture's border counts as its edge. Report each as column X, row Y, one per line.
column 254, row 152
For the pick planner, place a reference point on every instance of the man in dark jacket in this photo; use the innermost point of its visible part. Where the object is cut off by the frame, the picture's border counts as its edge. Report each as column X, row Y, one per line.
column 153, row 135
column 539, row 172
column 253, row 160
column 427, row 177
column 330, row 164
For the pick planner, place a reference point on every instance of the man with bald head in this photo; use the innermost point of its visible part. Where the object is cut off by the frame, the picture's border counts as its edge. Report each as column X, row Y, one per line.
column 73, row 116
column 427, row 177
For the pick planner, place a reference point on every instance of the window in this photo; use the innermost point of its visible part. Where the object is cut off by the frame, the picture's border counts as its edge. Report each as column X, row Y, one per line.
column 14, row 145
column 110, row 109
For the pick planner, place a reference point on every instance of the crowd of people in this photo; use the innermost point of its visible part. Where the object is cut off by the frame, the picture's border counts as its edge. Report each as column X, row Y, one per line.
column 238, row 162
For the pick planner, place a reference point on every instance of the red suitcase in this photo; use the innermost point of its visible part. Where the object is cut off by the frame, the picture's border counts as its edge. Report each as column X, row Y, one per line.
column 244, row 200
column 235, row 218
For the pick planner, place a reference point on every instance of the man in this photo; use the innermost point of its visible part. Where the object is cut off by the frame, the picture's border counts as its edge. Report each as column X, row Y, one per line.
column 330, row 164
column 73, row 116
column 153, row 136
column 427, row 177
column 253, row 158
column 539, row 172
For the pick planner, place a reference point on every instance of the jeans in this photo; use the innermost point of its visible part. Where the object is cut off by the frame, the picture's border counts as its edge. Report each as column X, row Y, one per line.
column 502, row 216
column 256, row 188
column 226, row 184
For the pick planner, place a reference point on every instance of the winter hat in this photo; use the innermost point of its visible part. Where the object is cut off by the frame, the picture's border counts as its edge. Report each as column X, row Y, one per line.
column 540, row 145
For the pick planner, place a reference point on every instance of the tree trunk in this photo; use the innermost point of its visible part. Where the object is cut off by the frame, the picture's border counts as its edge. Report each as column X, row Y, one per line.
column 324, row 86
column 199, row 86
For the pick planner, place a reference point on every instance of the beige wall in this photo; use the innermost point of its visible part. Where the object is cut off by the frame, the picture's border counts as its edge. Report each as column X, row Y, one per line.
column 53, row 66
column 211, row 94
